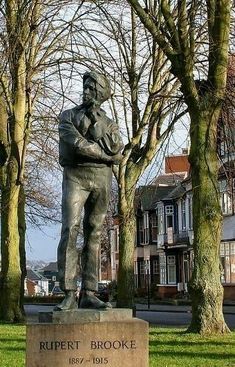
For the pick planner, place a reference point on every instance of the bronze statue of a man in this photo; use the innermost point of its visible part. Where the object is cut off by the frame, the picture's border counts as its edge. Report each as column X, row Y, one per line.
column 89, row 145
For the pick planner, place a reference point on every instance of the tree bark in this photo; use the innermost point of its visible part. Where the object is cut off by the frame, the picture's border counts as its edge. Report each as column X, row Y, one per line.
column 10, row 303
column 127, row 233
column 11, row 309
column 12, row 214
column 22, row 231
column 205, row 286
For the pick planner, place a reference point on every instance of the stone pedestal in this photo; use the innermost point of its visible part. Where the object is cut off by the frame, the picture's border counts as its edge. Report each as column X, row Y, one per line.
column 85, row 315
column 88, row 338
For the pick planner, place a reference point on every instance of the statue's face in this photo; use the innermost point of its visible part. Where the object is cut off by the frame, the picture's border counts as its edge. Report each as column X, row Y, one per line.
column 89, row 90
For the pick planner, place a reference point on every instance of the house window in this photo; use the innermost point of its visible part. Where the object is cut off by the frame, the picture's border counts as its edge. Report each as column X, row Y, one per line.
column 141, row 230
column 169, row 209
column 146, row 227
column 190, row 212
column 183, row 215
column 171, row 270
column 161, row 220
column 227, row 257
column 162, row 263
column 142, row 267
column 225, row 197
column 154, row 219
column 226, row 203
column 155, row 265
column 154, row 226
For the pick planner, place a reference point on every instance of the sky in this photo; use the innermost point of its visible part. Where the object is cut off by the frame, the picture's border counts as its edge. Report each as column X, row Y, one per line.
column 42, row 244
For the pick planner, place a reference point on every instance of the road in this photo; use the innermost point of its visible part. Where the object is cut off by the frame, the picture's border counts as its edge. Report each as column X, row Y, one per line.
column 178, row 319
column 167, row 316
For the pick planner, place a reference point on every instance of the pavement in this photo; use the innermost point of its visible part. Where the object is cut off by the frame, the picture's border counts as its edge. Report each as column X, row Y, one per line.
column 228, row 308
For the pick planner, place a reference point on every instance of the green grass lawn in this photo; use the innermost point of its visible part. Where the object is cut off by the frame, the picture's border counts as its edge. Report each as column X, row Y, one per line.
column 12, row 345
column 168, row 348
column 174, row 347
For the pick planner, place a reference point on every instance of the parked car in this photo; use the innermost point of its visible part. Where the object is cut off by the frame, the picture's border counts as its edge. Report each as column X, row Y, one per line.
column 103, row 292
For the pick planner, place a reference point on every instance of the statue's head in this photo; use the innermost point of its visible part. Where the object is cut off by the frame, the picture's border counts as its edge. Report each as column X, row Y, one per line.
column 99, row 86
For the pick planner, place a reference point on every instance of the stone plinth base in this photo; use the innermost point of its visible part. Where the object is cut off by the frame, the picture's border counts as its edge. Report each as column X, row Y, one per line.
column 85, row 315
column 103, row 343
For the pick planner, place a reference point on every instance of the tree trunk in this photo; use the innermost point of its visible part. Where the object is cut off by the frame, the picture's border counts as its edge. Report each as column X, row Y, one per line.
column 10, row 307
column 12, row 222
column 10, row 303
column 22, row 231
column 127, row 232
column 205, row 286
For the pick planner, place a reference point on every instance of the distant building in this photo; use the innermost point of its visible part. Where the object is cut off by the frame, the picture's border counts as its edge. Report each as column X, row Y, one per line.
column 36, row 284
column 156, row 216
column 51, row 273
column 175, row 238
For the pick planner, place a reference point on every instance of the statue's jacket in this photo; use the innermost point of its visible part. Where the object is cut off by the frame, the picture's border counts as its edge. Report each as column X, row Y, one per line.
column 83, row 143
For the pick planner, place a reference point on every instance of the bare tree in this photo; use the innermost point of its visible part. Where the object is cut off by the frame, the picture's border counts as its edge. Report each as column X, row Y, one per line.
column 200, row 65
column 34, row 40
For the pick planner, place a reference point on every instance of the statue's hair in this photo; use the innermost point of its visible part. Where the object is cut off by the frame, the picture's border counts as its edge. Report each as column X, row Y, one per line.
column 102, row 84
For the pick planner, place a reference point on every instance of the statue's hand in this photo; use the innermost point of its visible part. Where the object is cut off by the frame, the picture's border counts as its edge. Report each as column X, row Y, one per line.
column 98, row 129
column 95, row 114
column 116, row 159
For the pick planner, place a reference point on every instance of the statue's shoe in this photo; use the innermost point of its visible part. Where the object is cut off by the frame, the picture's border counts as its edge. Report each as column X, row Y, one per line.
column 89, row 300
column 69, row 303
